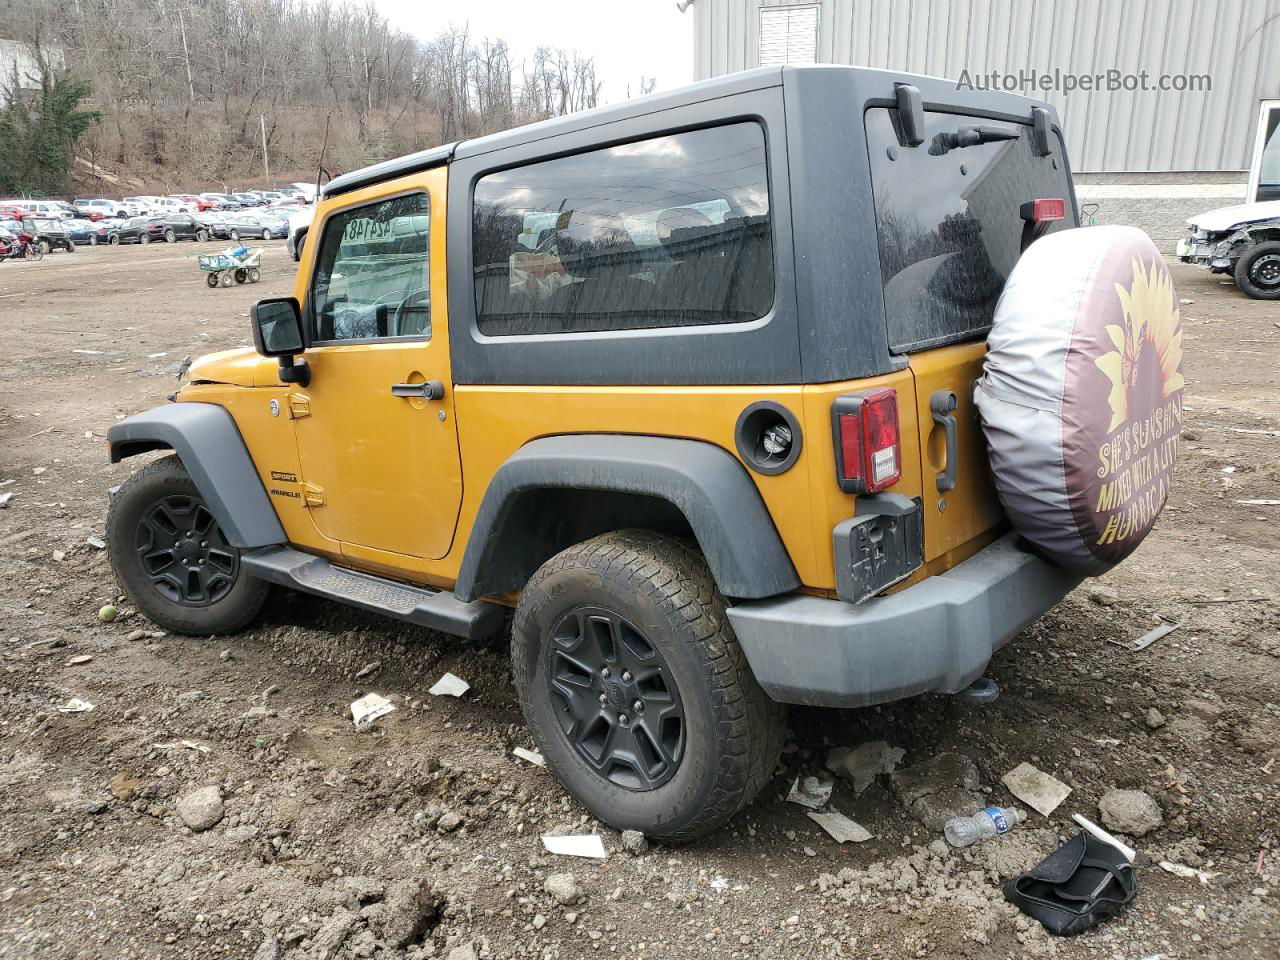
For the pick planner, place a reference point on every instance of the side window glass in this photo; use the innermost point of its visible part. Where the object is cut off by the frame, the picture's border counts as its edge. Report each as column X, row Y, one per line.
column 372, row 277
column 672, row 231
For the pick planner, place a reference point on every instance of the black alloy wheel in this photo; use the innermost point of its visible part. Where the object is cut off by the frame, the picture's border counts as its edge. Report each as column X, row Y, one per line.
column 184, row 553
column 635, row 689
column 618, row 703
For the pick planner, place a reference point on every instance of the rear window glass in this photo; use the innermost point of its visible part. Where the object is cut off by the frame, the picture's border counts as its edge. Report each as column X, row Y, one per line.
column 949, row 223
column 665, row 232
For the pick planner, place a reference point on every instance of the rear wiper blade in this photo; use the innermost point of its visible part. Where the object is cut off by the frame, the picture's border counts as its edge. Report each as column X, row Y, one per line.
column 970, row 136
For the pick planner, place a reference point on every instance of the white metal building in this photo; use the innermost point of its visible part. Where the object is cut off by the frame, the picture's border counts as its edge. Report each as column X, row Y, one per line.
column 1196, row 141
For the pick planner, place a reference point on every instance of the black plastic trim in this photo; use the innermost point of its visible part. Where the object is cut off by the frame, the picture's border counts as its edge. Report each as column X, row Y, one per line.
column 707, row 485
column 434, row 609
column 388, row 170
column 207, row 441
column 879, row 546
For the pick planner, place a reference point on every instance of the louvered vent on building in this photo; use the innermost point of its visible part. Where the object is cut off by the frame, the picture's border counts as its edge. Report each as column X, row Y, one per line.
column 788, row 35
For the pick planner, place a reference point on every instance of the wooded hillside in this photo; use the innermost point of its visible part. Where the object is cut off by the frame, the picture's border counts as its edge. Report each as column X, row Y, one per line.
column 184, row 87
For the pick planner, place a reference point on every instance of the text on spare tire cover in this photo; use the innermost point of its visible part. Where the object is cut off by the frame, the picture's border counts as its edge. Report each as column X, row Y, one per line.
column 1122, row 407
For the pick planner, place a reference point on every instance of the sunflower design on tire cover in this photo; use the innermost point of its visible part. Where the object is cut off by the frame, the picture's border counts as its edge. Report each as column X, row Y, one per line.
column 1148, row 341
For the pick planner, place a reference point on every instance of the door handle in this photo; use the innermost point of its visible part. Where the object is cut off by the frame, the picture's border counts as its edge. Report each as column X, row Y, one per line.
column 427, row 390
column 942, row 404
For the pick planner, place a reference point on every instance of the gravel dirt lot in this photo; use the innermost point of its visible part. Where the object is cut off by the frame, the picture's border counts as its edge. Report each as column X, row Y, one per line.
column 420, row 837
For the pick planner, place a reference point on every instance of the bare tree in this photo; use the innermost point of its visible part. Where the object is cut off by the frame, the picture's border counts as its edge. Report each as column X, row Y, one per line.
column 181, row 84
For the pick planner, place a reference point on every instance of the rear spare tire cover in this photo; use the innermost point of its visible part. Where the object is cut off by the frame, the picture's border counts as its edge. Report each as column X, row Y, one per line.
column 1081, row 395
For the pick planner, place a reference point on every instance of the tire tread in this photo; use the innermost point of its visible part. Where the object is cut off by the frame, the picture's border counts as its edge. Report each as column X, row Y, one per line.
column 750, row 726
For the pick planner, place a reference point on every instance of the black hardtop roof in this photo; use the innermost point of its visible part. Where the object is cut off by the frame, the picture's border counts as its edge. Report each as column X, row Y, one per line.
column 937, row 92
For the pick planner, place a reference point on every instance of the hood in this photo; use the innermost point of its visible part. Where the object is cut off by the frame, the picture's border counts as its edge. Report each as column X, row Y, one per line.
column 1224, row 218
column 242, row 367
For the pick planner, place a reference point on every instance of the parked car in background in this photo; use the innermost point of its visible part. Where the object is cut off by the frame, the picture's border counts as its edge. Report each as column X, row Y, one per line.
column 83, row 231
column 170, row 205
column 136, row 206
column 247, row 199
column 299, row 223
column 129, row 231
column 250, row 223
column 1242, row 240
column 99, row 209
column 170, row 227
column 220, row 201
column 54, row 209
column 49, row 234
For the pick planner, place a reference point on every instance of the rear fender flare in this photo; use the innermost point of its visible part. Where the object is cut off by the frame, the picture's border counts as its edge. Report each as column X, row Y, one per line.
column 207, row 441
column 708, row 486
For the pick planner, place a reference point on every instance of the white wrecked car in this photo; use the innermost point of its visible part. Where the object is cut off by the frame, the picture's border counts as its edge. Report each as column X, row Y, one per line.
column 1244, row 241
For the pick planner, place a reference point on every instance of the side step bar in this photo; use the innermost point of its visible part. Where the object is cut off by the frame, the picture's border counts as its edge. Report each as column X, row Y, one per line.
column 434, row 609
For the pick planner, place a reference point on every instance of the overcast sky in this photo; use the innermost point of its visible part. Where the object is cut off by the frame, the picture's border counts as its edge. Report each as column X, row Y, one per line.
column 627, row 38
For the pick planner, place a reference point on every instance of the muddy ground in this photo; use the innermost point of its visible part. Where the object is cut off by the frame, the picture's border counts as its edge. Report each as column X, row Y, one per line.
column 420, row 838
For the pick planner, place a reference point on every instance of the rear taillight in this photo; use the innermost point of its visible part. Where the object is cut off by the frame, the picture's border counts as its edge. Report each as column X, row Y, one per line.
column 867, row 441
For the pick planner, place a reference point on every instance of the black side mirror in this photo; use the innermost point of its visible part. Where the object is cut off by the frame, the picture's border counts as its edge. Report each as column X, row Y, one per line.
column 278, row 332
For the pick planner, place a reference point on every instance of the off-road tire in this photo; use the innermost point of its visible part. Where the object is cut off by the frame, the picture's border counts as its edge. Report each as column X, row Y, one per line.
column 162, row 478
column 733, row 731
column 1244, row 268
column 71, row 246
column 44, row 247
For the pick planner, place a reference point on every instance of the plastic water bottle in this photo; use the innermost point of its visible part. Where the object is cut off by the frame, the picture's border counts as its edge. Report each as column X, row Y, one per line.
column 991, row 822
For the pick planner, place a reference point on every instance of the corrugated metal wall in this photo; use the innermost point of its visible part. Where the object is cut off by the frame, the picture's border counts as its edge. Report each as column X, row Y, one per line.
column 1236, row 42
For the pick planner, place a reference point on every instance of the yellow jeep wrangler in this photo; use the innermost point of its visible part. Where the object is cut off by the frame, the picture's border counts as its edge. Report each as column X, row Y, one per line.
column 686, row 381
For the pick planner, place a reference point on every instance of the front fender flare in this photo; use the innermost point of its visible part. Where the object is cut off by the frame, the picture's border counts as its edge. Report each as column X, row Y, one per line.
column 706, row 484
column 207, row 441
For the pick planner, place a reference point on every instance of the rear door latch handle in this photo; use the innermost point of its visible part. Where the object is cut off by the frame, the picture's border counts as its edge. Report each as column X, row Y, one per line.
column 427, row 390
column 942, row 404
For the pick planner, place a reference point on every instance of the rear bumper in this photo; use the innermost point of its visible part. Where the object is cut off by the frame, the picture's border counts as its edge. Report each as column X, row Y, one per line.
column 934, row 636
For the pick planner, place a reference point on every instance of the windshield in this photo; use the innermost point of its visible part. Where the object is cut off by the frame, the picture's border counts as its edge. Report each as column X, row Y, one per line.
column 949, row 223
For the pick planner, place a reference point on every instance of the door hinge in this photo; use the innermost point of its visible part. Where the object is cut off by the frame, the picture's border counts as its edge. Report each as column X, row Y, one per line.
column 299, row 406
column 312, row 495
